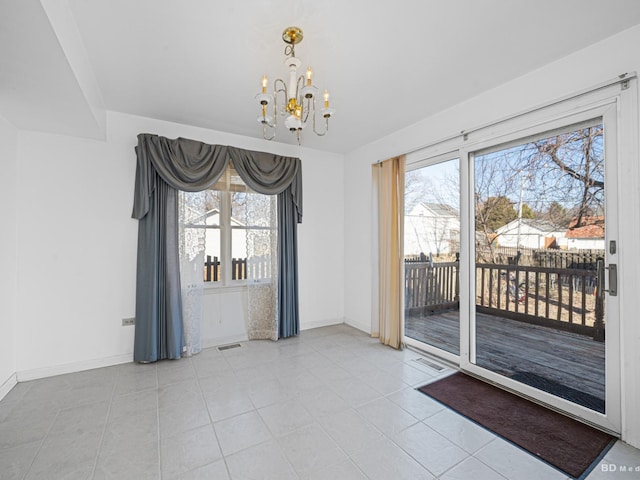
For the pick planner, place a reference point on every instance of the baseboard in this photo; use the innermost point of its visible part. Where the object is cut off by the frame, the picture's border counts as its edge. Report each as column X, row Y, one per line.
column 7, row 385
column 51, row 371
column 321, row 323
column 365, row 327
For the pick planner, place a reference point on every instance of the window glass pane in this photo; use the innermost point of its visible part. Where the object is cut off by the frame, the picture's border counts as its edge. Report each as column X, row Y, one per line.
column 236, row 184
column 230, row 181
column 250, row 209
column 212, row 257
column 212, row 206
column 192, row 208
column 260, row 240
column 539, row 234
column 232, row 217
column 431, row 247
column 238, row 253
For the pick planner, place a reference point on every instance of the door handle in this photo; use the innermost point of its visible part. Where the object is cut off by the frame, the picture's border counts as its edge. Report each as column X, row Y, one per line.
column 613, row 278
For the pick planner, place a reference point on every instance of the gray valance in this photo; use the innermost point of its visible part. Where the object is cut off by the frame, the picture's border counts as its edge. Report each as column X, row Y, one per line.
column 165, row 166
column 193, row 166
column 269, row 174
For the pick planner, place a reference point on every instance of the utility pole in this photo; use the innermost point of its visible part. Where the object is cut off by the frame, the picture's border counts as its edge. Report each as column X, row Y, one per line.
column 522, row 180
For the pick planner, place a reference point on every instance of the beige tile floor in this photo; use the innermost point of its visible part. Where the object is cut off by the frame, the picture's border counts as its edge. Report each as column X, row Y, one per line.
column 330, row 404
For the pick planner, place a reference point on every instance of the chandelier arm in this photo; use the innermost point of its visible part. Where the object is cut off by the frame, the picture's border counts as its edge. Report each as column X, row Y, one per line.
column 299, row 85
column 326, row 128
column 276, row 91
column 308, row 110
column 283, row 87
column 326, row 124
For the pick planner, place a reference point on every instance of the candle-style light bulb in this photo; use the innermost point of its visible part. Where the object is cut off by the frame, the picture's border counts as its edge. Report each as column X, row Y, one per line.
column 264, row 84
column 309, row 74
column 326, row 99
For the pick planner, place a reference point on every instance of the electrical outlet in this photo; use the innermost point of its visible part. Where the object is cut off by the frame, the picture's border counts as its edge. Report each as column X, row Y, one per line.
column 128, row 321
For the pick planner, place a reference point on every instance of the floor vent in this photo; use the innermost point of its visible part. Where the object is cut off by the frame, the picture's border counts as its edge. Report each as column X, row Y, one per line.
column 222, row 348
column 427, row 363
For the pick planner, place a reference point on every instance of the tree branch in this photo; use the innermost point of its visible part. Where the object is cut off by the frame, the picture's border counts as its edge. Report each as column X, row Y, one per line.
column 551, row 150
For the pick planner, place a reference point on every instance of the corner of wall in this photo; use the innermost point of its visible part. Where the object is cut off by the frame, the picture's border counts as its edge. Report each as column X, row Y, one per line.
column 359, row 325
column 7, row 385
column 8, row 255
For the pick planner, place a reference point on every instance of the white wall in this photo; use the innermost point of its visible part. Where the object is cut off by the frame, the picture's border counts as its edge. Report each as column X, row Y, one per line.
column 78, row 193
column 8, row 265
column 582, row 70
column 76, row 253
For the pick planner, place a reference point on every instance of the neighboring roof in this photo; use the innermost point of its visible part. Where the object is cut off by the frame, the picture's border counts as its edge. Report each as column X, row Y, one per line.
column 440, row 209
column 541, row 225
column 591, row 227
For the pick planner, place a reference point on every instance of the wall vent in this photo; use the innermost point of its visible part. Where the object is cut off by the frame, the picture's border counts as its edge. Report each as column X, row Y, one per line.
column 431, row 365
column 222, row 348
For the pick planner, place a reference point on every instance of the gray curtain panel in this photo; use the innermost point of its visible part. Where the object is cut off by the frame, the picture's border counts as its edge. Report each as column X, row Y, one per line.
column 165, row 166
column 160, row 317
column 288, row 311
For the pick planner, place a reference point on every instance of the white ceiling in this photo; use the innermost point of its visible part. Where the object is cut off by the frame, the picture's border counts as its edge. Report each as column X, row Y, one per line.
column 199, row 62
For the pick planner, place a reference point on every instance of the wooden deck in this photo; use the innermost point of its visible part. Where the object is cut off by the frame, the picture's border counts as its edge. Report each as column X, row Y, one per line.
column 566, row 364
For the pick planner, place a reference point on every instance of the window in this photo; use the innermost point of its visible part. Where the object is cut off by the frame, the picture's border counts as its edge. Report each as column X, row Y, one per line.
column 234, row 219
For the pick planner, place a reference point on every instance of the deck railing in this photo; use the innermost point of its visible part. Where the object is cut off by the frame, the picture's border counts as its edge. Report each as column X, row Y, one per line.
column 561, row 298
column 431, row 286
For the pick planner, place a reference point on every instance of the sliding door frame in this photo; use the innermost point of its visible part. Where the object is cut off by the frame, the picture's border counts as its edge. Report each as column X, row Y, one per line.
column 415, row 161
column 603, row 104
column 622, row 92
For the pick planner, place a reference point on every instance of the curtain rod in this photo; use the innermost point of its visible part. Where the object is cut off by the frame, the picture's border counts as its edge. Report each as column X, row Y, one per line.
column 624, row 77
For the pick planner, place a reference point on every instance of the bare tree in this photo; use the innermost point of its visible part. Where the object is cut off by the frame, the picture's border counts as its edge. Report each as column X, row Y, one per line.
column 560, row 176
column 579, row 157
column 495, row 184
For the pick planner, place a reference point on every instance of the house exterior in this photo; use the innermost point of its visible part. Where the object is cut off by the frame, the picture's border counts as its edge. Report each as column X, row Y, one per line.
column 533, row 234
column 431, row 228
column 588, row 236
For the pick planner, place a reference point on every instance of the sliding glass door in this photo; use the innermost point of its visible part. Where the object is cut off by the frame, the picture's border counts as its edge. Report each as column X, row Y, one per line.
column 512, row 254
column 432, row 256
column 543, row 238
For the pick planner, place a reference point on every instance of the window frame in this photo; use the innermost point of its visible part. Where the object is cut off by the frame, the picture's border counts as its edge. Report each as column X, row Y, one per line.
column 225, row 229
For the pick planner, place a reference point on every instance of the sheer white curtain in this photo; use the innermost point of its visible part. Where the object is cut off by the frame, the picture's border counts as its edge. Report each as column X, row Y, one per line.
column 192, row 240
column 262, row 266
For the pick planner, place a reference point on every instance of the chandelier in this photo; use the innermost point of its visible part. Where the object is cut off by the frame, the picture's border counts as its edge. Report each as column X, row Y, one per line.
column 298, row 96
